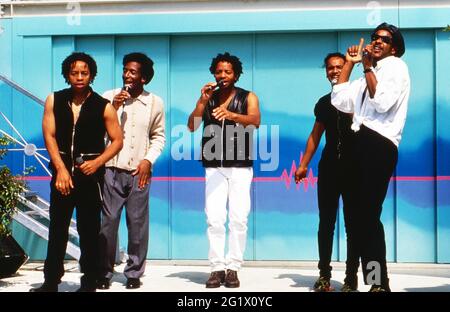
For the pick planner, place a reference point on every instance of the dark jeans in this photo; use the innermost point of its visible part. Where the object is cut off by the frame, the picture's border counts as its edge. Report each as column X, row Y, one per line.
column 376, row 158
column 86, row 197
column 333, row 182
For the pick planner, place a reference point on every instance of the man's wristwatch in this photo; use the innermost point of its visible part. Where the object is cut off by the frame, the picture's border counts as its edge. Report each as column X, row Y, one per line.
column 368, row 69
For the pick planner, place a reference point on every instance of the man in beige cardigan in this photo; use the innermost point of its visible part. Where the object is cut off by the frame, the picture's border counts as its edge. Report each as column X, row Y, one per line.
column 128, row 174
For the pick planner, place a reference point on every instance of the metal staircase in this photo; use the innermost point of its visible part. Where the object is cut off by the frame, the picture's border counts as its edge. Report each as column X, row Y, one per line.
column 33, row 213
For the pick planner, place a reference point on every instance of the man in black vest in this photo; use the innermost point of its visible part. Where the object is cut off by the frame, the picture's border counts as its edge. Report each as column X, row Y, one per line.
column 230, row 115
column 74, row 126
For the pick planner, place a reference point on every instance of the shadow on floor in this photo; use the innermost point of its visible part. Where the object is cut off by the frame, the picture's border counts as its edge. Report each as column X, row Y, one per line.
column 307, row 281
column 194, row 277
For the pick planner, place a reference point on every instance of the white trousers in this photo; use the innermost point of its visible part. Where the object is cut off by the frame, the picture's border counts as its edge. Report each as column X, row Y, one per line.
column 232, row 185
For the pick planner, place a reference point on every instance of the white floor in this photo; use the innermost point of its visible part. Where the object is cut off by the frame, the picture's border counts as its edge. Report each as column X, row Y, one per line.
column 169, row 277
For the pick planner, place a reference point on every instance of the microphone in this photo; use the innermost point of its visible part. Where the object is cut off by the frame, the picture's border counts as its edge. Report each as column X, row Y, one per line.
column 127, row 87
column 218, row 85
column 79, row 160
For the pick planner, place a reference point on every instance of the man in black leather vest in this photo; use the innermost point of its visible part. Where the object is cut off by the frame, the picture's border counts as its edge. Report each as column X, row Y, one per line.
column 230, row 115
column 74, row 126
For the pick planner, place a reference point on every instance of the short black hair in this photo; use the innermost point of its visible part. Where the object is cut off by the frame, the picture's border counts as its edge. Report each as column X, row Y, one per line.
column 146, row 64
column 330, row 55
column 227, row 57
column 66, row 65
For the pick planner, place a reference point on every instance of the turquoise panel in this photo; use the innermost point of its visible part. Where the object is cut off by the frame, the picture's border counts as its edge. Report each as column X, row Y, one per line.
column 102, row 50
column 63, row 46
column 6, row 50
column 416, row 200
column 36, row 67
column 443, row 145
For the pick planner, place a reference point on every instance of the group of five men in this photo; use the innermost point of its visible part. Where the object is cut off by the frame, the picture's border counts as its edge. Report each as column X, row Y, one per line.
column 363, row 121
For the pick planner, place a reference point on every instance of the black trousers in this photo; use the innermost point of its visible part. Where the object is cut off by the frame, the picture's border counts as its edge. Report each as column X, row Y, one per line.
column 86, row 197
column 333, row 182
column 375, row 161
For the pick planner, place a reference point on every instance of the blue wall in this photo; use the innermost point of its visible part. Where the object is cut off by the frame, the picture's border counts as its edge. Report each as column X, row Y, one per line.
column 282, row 54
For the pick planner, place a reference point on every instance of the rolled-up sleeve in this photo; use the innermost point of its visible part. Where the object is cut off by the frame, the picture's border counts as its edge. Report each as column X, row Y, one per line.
column 342, row 97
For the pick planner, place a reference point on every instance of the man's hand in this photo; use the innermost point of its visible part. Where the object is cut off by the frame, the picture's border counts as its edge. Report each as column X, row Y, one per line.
column 367, row 59
column 143, row 170
column 207, row 91
column 354, row 53
column 89, row 166
column 120, row 98
column 221, row 113
column 63, row 182
column 300, row 174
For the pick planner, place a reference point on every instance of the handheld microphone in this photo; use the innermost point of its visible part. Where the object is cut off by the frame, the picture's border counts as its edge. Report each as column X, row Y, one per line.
column 79, row 160
column 218, row 86
column 127, row 87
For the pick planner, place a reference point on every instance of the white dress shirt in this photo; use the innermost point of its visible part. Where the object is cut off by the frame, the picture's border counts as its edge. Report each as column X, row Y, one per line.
column 385, row 113
column 143, row 125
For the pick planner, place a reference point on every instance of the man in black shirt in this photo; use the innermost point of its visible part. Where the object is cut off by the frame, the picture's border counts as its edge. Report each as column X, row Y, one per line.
column 332, row 183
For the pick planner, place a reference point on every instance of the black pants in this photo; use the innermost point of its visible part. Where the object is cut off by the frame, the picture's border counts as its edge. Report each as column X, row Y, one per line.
column 334, row 181
column 376, row 158
column 87, row 198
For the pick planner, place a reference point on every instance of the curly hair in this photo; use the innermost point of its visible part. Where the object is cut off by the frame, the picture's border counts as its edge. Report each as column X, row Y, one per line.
column 66, row 65
column 227, row 57
column 146, row 64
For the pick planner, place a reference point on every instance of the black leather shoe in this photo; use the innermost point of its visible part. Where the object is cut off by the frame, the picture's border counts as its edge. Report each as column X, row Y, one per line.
column 103, row 283
column 46, row 287
column 133, row 283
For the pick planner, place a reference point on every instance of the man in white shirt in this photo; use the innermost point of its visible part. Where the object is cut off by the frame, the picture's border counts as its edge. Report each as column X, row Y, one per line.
column 127, row 177
column 379, row 103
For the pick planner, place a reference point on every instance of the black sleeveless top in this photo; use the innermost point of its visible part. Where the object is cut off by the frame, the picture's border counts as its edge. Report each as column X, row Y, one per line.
column 227, row 144
column 88, row 135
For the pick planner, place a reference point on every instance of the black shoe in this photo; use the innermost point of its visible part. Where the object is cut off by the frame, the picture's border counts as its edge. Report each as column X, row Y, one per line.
column 103, row 283
column 46, row 287
column 350, row 283
column 378, row 288
column 215, row 279
column 133, row 283
column 323, row 285
column 232, row 280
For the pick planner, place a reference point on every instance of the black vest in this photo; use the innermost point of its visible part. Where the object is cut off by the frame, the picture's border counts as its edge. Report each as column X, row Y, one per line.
column 89, row 135
column 231, row 145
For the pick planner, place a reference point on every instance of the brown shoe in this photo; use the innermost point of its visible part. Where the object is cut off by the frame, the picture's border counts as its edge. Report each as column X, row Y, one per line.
column 231, row 280
column 215, row 279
